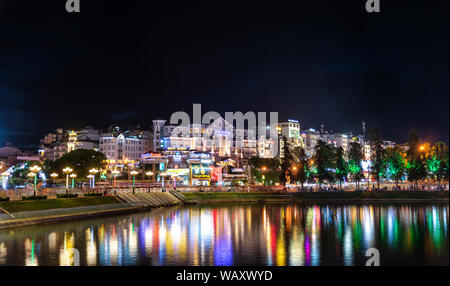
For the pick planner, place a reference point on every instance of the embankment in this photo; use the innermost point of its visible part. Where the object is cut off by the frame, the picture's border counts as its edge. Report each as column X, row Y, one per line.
column 322, row 197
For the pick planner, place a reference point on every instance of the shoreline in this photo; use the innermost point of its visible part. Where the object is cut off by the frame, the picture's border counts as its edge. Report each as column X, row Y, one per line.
column 70, row 217
column 322, row 201
column 229, row 198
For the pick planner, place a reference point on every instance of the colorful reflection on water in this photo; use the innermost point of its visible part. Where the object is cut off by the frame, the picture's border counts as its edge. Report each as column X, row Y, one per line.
column 245, row 234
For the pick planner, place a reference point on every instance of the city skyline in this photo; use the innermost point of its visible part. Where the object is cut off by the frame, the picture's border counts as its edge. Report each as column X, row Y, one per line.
column 307, row 61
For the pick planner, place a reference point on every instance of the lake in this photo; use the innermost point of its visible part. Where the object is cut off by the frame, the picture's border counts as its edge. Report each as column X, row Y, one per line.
column 240, row 234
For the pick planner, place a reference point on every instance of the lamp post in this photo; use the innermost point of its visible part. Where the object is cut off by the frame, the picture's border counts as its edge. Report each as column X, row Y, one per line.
column 163, row 175
column 149, row 173
column 31, row 175
column 90, row 180
column 35, row 169
column 67, row 171
column 54, row 176
column 174, row 181
column 93, row 171
column 115, row 173
column 134, row 173
column 264, row 175
column 73, row 176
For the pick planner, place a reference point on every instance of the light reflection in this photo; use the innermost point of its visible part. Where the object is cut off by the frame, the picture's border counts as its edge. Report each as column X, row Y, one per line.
column 91, row 248
column 3, row 253
column 248, row 234
column 66, row 255
column 30, row 253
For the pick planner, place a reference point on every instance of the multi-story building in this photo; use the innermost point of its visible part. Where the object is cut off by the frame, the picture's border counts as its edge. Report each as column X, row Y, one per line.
column 54, row 145
column 290, row 130
column 88, row 138
column 311, row 137
column 219, row 138
column 124, row 146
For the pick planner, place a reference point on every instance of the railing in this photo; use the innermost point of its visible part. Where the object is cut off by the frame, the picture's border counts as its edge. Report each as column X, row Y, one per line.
column 65, row 211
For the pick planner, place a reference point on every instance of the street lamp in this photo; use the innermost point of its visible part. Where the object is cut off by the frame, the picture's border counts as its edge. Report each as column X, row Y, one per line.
column 133, row 173
column 263, row 176
column 149, row 173
column 35, row 169
column 31, row 175
column 174, row 180
column 93, row 171
column 90, row 180
column 67, row 171
column 54, row 176
column 73, row 176
column 115, row 173
column 163, row 175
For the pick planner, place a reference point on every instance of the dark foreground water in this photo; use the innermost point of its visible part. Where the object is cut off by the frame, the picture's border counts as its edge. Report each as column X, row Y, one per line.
column 243, row 234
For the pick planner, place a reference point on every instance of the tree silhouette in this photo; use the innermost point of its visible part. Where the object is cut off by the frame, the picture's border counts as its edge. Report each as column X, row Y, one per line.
column 378, row 156
column 355, row 157
column 286, row 162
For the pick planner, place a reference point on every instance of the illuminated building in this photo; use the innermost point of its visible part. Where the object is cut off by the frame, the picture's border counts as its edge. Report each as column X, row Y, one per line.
column 219, row 138
column 54, row 145
column 72, row 142
column 290, row 130
column 121, row 146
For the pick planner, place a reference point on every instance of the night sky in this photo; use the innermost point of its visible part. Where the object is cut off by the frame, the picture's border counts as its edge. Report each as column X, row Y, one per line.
column 129, row 62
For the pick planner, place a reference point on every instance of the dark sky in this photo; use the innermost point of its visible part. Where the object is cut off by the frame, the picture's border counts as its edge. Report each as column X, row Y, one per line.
column 128, row 62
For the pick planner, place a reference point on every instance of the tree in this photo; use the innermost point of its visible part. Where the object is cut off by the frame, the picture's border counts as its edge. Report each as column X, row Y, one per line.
column 324, row 162
column 302, row 168
column 341, row 166
column 437, row 162
column 415, row 167
column 286, row 162
column 396, row 164
column 81, row 161
column 378, row 156
column 355, row 157
column 264, row 166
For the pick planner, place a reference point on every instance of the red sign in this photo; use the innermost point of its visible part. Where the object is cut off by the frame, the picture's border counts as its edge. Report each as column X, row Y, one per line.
column 216, row 174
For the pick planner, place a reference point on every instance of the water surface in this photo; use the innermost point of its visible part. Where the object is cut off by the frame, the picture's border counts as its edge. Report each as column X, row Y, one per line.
column 240, row 234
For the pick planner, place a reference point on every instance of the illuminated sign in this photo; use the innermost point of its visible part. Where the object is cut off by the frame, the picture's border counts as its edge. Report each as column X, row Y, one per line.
column 216, row 174
column 200, row 155
column 222, row 133
column 200, row 172
column 177, row 172
column 151, row 155
column 237, row 170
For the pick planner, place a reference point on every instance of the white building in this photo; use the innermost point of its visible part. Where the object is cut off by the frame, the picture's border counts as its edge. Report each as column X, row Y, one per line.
column 122, row 147
column 290, row 130
column 219, row 138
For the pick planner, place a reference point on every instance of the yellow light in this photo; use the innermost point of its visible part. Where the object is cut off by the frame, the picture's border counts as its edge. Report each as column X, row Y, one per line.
column 73, row 175
column 133, row 173
column 149, row 173
column 67, row 170
column 31, row 174
column 53, row 175
column 35, row 168
column 93, row 171
column 115, row 172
